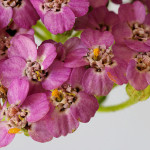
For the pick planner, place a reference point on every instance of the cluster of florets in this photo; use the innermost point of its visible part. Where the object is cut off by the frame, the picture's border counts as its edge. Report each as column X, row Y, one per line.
column 47, row 90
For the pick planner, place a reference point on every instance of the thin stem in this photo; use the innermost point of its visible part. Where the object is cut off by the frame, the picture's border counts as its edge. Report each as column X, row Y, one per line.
column 117, row 107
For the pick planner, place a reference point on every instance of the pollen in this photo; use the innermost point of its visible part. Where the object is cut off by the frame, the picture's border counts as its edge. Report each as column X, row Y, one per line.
column 38, row 75
column 111, row 77
column 13, row 131
column 56, row 94
column 96, row 52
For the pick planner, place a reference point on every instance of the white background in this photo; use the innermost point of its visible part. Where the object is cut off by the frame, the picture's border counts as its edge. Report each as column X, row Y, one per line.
column 128, row 129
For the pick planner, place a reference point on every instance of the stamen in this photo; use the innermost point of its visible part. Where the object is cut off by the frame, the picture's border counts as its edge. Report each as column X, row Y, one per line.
column 57, row 94
column 96, row 52
column 13, row 131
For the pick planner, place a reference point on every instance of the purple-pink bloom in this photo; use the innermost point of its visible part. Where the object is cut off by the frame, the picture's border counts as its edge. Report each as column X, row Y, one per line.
column 99, row 19
column 59, row 15
column 22, row 111
column 134, row 28
column 138, row 70
column 69, row 106
column 36, row 66
column 21, row 11
column 103, row 67
column 7, row 34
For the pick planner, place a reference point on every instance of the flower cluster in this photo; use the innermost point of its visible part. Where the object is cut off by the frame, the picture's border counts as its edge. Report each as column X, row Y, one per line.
column 47, row 90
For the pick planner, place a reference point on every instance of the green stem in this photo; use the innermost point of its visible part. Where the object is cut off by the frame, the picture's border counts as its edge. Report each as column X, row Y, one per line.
column 117, row 107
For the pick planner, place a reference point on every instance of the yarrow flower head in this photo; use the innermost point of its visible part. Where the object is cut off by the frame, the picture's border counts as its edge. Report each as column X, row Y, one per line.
column 37, row 66
column 69, row 105
column 59, row 15
column 134, row 29
column 7, row 34
column 103, row 68
column 21, row 11
column 21, row 111
column 138, row 70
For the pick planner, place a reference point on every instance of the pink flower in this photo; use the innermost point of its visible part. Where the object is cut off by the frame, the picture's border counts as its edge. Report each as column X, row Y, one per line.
column 99, row 19
column 7, row 34
column 59, row 15
column 103, row 67
column 21, row 11
column 69, row 105
column 36, row 66
column 138, row 70
column 134, row 28
column 22, row 111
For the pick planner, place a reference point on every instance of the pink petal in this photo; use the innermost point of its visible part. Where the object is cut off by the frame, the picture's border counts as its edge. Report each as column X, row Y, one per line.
column 96, row 83
column 59, row 22
column 117, row 72
column 37, row 4
column 39, row 131
column 98, row 3
column 76, row 58
column 18, row 91
column 136, row 45
column 12, row 68
column 37, row 105
column 58, row 74
column 62, row 123
column 76, row 77
column 85, row 107
column 121, row 32
column 79, row 7
column 46, row 55
column 136, row 78
column 5, row 137
column 139, row 11
column 132, row 12
column 73, row 44
column 25, row 16
column 96, row 38
column 5, row 15
column 90, row 37
column 24, row 47
column 123, row 52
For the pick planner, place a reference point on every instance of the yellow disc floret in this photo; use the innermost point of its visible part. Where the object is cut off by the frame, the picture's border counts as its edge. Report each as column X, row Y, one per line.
column 96, row 52
column 38, row 75
column 13, row 131
column 57, row 94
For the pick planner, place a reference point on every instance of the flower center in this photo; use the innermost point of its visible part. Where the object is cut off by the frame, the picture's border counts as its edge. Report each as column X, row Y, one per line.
column 100, row 57
column 140, row 32
column 103, row 27
column 54, row 5
column 11, row 3
column 34, row 72
column 143, row 61
column 64, row 97
column 16, row 118
column 3, row 92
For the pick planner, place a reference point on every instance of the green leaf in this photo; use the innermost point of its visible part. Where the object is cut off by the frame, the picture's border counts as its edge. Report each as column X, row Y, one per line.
column 138, row 95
